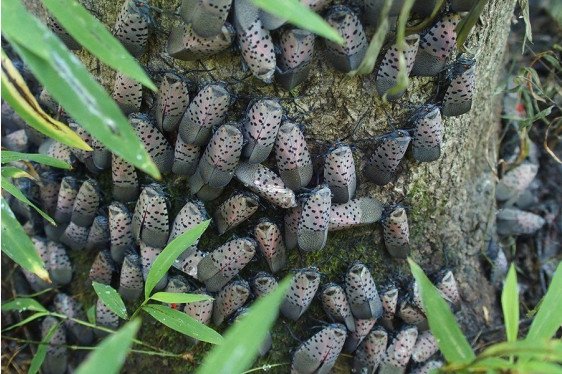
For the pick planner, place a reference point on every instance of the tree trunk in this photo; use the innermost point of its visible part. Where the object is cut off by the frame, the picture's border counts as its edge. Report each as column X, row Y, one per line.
column 451, row 201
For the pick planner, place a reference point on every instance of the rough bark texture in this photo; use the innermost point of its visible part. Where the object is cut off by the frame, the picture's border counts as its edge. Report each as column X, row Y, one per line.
column 451, row 201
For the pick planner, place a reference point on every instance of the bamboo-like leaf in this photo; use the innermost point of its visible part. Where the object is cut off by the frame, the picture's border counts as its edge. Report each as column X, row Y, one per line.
column 70, row 83
column 183, row 323
column 167, row 257
column 442, row 323
column 111, row 299
column 510, row 305
column 110, row 355
column 179, row 298
column 244, row 338
column 537, row 366
column 22, row 304
column 15, row 192
column 524, row 6
column 17, row 245
column 549, row 318
column 467, row 23
column 41, row 353
column 301, row 16
column 94, row 36
column 10, row 156
column 17, row 94
column 545, row 350
column 13, row 172
column 25, row 321
column 91, row 314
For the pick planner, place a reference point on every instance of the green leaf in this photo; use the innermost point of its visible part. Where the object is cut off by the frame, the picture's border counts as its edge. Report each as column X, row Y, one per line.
column 94, row 36
column 549, row 350
column 300, row 15
column 167, row 257
column 548, row 319
column 510, row 305
column 91, row 314
column 15, row 192
column 41, row 353
column 244, row 338
column 524, row 6
column 23, row 304
column 442, row 322
column 111, row 299
column 25, row 321
column 183, row 323
column 179, row 298
column 17, row 245
column 110, row 354
column 9, row 156
column 467, row 23
column 14, row 173
column 70, row 83
column 20, row 98
column 537, row 367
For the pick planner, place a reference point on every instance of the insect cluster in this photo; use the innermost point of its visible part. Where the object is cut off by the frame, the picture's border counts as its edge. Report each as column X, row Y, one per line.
column 238, row 170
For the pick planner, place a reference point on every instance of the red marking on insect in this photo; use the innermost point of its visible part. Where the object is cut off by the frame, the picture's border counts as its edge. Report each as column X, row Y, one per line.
column 174, row 306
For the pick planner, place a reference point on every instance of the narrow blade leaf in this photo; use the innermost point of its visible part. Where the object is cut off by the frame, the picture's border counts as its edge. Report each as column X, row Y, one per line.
column 183, row 323
column 179, row 298
column 167, row 257
column 41, row 353
column 468, row 22
column 94, row 36
column 450, row 338
column 510, row 305
column 110, row 354
column 111, row 299
column 13, row 172
column 25, row 321
column 22, row 304
column 10, row 156
column 13, row 190
column 548, row 319
column 243, row 339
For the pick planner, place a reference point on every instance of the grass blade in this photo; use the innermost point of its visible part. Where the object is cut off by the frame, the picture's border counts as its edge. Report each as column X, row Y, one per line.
column 15, row 192
column 467, row 23
column 183, row 323
column 510, row 305
column 179, row 298
column 243, row 339
column 452, row 342
column 22, row 304
column 10, row 156
column 110, row 355
column 41, row 353
column 32, row 317
column 548, row 319
column 111, row 299
column 167, row 257
column 94, row 36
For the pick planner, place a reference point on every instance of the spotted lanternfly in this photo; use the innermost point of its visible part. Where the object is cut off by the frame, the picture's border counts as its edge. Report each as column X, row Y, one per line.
column 411, row 314
column 334, row 302
column 265, row 183
column 185, row 44
column 426, row 346
column 370, row 352
column 339, row 173
column 49, row 191
column 131, row 282
column 186, row 157
column 270, row 243
column 390, row 149
column 67, row 194
column 63, row 35
column 102, row 268
column 515, row 181
column 263, row 284
column 71, row 308
column 427, row 133
column 207, row 17
column 513, row 221
column 316, row 5
column 131, row 27
column 255, row 41
column 220, row 266
column 447, row 284
column 319, row 353
column 356, row 212
column 348, row 56
column 387, row 75
column 202, row 311
column 293, row 159
column 294, row 61
column 436, row 45
column 263, row 119
column 127, row 92
column 74, row 236
column 203, row 191
column 125, row 180
column 105, row 317
column 172, row 101
column 190, row 260
column 362, row 292
column 36, row 283
column 362, row 328
column 271, row 22
column 58, row 150
column 397, row 233
column 16, row 141
column 399, row 351
column 207, row 109
column 119, row 230
column 101, row 157
column 48, row 102
column 299, row 297
column 235, row 210
column 266, row 344
column 389, row 299
column 177, row 284
column 60, row 268
column 98, row 237
column 86, row 203
column 312, row 230
column 431, row 366
column 291, row 224
column 229, row 300
column 192, row 213
column 157, row 146
column 460, row 79
column 56, row 357
column 150, row 221
column 148, row 254
column 461, row 5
